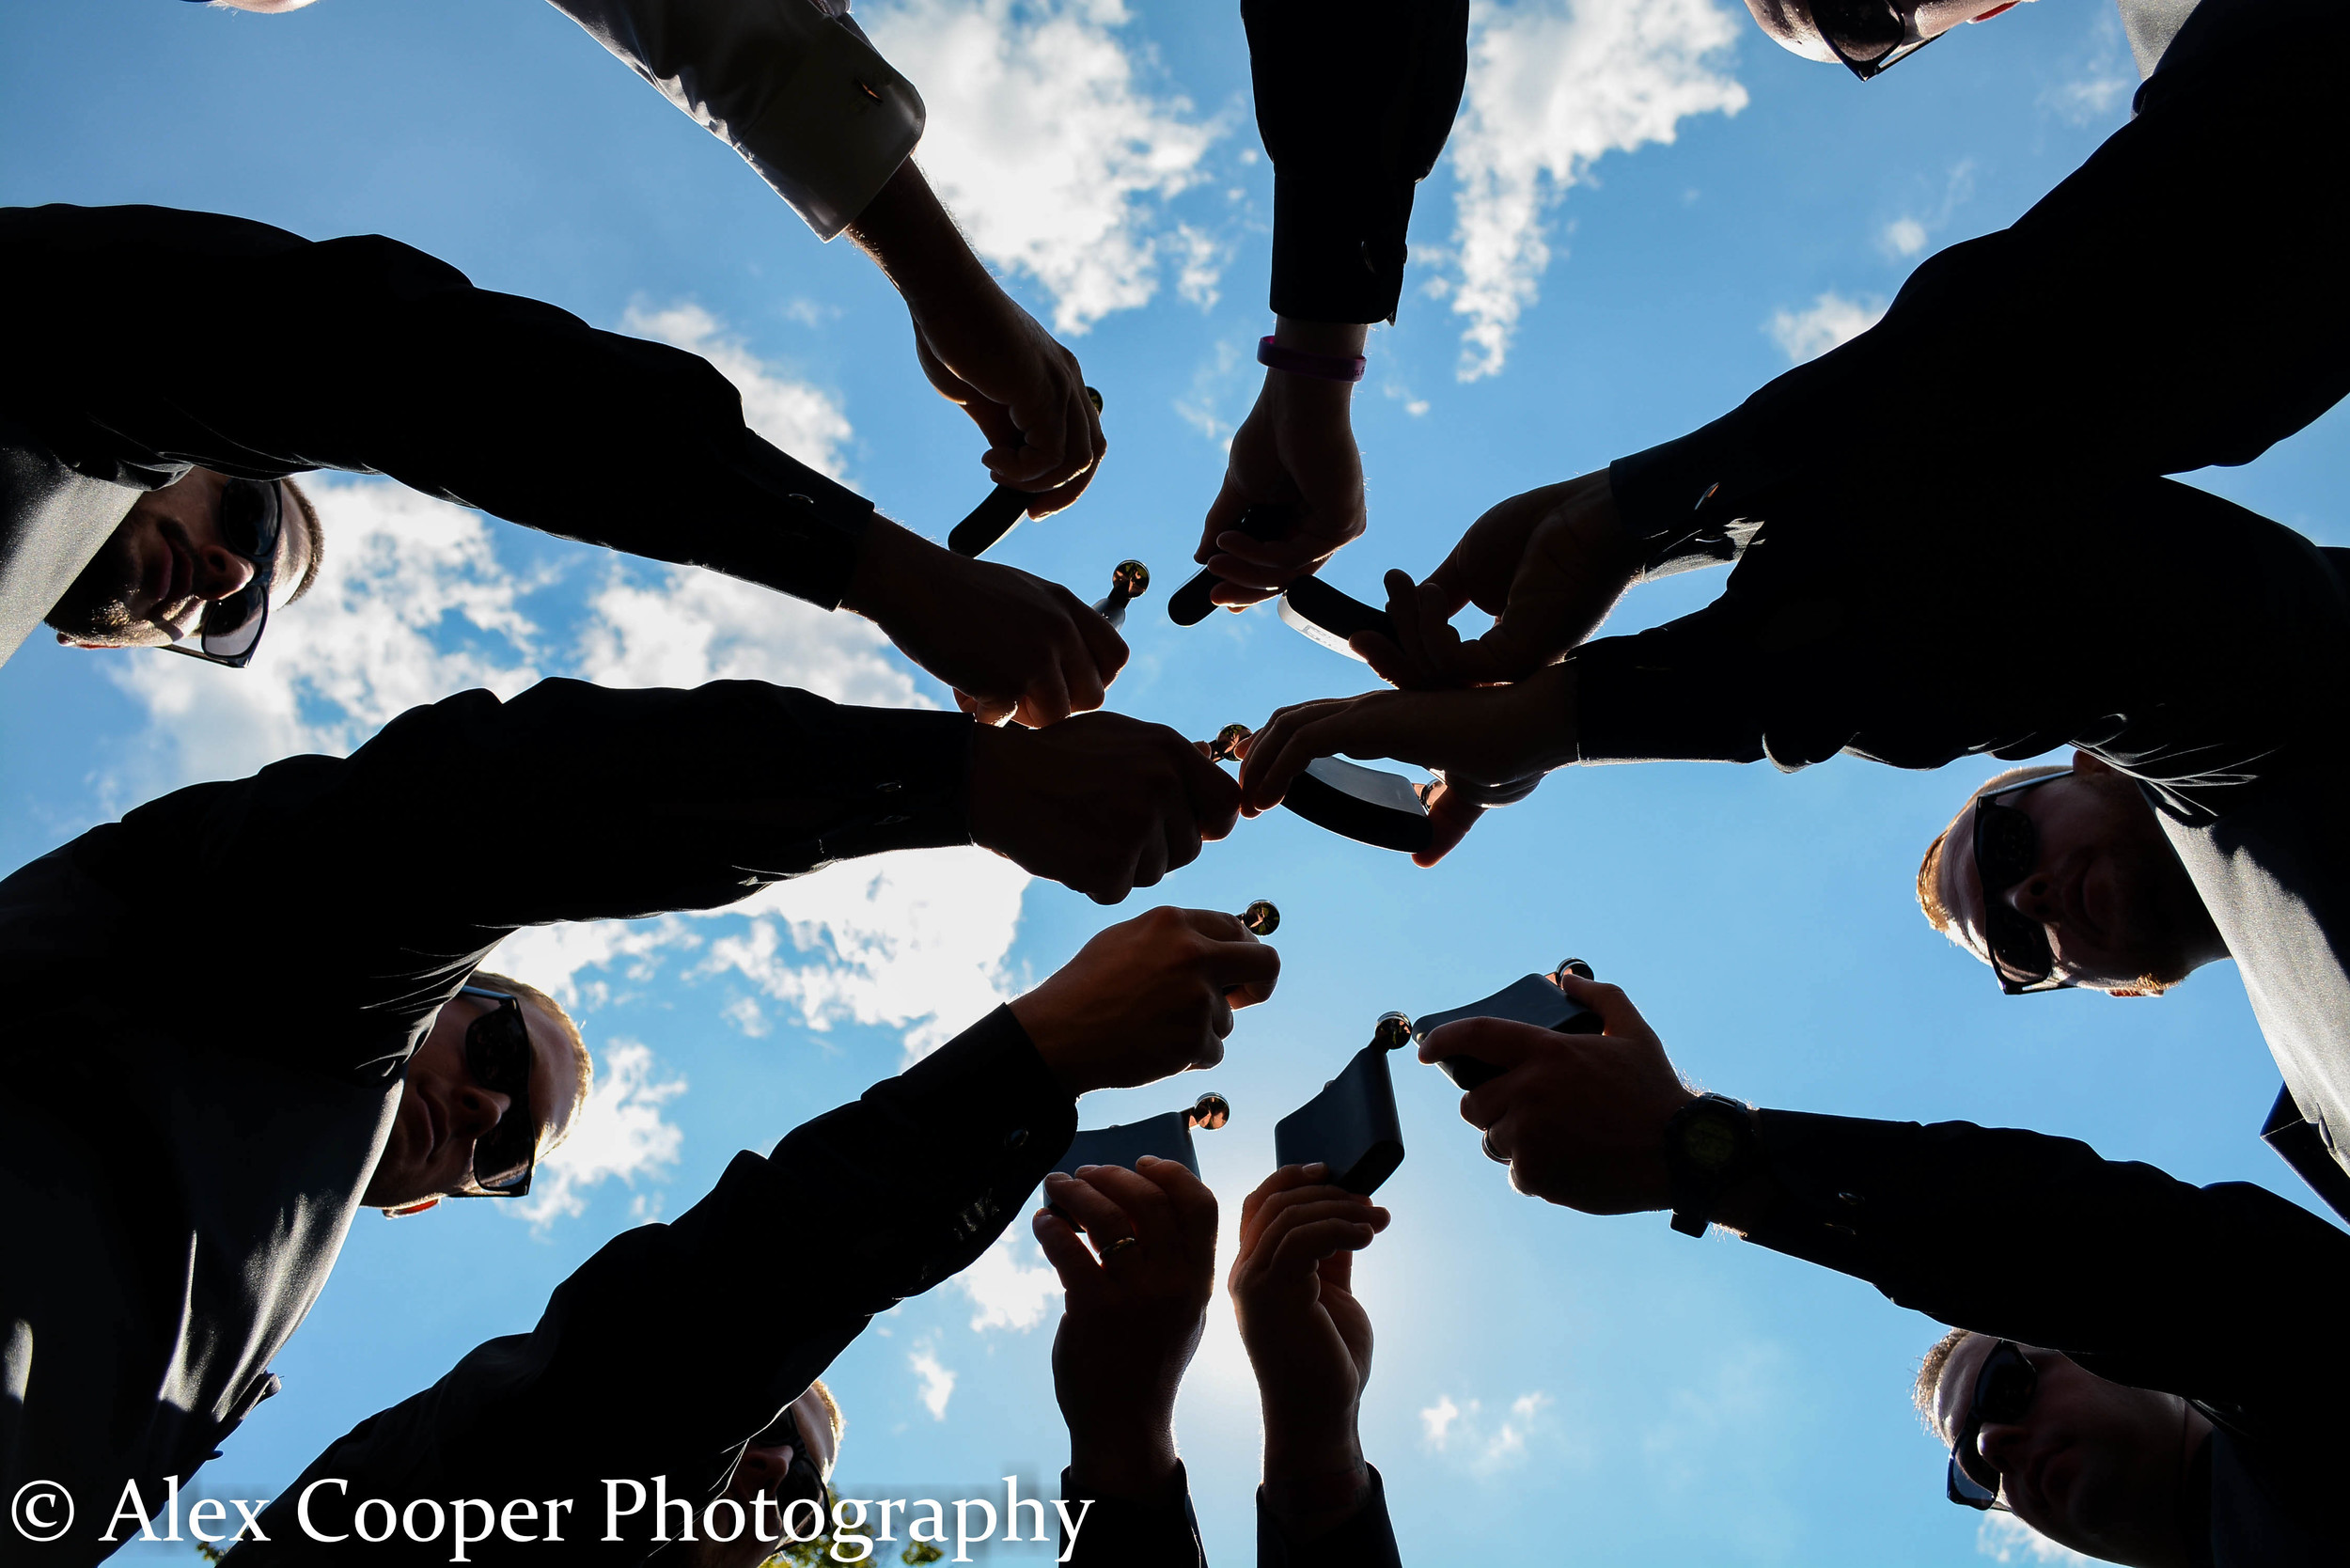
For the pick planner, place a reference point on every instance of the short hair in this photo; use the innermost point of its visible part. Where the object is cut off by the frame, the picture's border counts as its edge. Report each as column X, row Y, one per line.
column 1929, row 1382
column 832, row 1414
column 488, row 980
column 308, row 516
column 1930, row 869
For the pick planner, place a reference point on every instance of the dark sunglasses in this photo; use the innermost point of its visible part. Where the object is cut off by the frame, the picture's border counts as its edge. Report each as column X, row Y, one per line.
column 1870, row 37
column 252, row 521
column 801, row 1478
column 499, row 1058
column 2003, row 1391
column 2007, row 848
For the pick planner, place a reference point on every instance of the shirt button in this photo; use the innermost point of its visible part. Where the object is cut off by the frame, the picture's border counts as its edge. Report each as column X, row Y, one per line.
column 1016, row 1138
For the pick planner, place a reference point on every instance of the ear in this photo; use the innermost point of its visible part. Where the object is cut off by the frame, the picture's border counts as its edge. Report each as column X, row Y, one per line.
column 2089, row 762
column 401, row 1210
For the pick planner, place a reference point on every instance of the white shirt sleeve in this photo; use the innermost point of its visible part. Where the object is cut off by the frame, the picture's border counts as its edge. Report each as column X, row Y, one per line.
column 793, row 86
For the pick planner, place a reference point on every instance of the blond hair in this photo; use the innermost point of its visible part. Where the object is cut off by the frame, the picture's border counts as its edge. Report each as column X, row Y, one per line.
column 308, row 515
column 1929, row 1383
column 551, row 1009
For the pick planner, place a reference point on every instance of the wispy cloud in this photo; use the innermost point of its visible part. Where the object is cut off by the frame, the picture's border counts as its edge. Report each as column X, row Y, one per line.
column 1828, row 321
column 621, row 1136
column 1484, row 1442
column 1050, row 149
column 2004, row 1538
column 938, row 1382
column 1910, row 234
column 1008, row 1293
column 1553, row 86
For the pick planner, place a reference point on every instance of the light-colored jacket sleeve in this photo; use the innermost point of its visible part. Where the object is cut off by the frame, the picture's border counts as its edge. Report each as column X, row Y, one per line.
column 793, row 86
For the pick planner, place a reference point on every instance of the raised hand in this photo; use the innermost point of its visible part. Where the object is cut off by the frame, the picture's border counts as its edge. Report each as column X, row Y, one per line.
column 1135, row 1303
column 1309, row 1339
column 1012, row 646
column 1579, row 1119
column 1147, row 998
column 1548, row 564
column 1102, row 804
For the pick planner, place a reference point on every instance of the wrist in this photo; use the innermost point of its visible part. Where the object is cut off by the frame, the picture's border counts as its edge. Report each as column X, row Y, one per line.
column 889, row 554
column 1344, row 338
column 1315, row 1484
column 1137, row 1460
column 914, row 242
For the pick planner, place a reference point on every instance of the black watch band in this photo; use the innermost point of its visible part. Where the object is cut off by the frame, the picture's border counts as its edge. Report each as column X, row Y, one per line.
column 1709, row 1145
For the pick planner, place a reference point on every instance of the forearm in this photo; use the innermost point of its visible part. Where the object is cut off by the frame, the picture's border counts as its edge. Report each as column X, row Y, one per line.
column 914, row 240
column 382, row 359
column 2056, row 346
column 1354, row 103
column 2143, row 1275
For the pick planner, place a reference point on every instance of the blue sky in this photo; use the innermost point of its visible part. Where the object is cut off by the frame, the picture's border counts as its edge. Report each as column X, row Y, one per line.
column 1547, row 1384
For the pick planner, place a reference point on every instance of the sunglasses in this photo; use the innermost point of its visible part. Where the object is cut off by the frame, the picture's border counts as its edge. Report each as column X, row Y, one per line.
column 2003, row 1391
column 252, row 521
column 1870, row 37
column 499, row 1058
column 801, row 1478
column 2007, row 848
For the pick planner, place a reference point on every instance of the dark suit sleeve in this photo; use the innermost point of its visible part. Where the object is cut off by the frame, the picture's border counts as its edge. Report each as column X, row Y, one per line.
column 165, row 340
column 2174, row 304
column 2220, row 1294
column 378, row 881
column 677, row 1343
column 1128, row 1533
column 1355, row 99
column 1365, row 1540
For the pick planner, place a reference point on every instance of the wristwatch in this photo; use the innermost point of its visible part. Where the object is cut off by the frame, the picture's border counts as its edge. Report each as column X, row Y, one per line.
column 1709, row 1144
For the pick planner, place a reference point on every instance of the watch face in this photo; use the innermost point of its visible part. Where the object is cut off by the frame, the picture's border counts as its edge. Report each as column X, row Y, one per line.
column 1710, row 1141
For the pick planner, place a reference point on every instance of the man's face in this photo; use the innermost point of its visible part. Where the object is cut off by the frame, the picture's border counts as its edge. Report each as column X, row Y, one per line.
column 2107, row 887
column 2090, row 1465
column 1792, row 23
column 442, row 1111
column 149, row 581
column 762, row 1469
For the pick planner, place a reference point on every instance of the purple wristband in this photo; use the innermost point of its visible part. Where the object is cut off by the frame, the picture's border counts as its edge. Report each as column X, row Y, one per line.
column 1297, row 361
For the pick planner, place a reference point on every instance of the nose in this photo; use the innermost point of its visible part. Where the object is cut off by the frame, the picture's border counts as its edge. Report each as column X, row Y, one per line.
column 220, row 571
column 477, row 1110
column 2034, row 898
column 764, row 1466
column 2003, row 1444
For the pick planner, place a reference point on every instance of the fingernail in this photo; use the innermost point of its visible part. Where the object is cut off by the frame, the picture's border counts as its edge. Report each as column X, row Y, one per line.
column 1147, row 1159
column 1317, row 1168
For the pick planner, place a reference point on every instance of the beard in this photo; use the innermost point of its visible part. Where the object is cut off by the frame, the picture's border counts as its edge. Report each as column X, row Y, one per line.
column 97, row 607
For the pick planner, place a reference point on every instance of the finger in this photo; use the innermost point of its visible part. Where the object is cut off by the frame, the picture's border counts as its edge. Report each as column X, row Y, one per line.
column 1246, row 970
column 1252, row 1208
column 1046, row 699
column 1087, row 1204
column 1294, row 1253
column 1069, row 1257
column 1451, row 815
column 1618, row 1017
column 1224, row 514
column 1190, row 1200
column 987, row 710
column 1264, row 777
column 1105, row 647
column 1314, row 1199
column 1215, row 794
column 1502, row 1042
column 1350, row 727
column 1145, row 1202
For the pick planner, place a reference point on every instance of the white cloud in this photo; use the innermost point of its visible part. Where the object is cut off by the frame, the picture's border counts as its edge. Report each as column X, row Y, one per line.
column 1482, row 1443
column 621, row 1136
column 1905, row 236
column 800, row 419
column 1829, row 320
column 403, row 575
column 938, row 1383
column 1553, row 84
column 1008, row 1293
column 913, row 941
column 690, row 626
column 1910, row 234
column 1054, row 159
column 551, row 957
column 2004, row 1538
column 2091, row 98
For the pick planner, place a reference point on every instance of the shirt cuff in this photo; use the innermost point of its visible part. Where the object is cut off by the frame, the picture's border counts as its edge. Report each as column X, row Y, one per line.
column 1679, row 499
column 829, row 137
column 796, row 531
column 1366, row 1539
column 1338, row 249
column 1661, row 695
column 1135, row 1533
column 910, row 770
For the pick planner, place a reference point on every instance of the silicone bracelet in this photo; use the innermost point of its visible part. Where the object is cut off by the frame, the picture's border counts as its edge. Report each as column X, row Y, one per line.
column 1297, row 361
